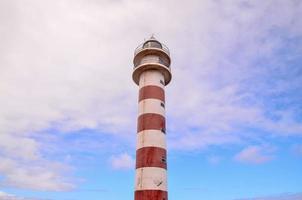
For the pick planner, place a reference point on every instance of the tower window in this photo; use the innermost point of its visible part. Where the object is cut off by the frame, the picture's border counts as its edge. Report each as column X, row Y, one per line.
column 162, row 104
column 163, row 130
column 162, row 82
column 163, row 159
column 152, row 44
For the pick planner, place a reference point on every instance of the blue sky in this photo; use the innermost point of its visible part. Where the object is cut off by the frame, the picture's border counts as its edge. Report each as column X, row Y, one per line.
column 68, row 104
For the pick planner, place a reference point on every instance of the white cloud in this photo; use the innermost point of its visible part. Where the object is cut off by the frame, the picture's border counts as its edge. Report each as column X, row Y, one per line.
column 45, row 176
column 297, row 196
column 3, row 194
column 18, row 146
column 122, row 161
column 6, row 196
column 230, row 80
column 255, row 154
column 66, row 66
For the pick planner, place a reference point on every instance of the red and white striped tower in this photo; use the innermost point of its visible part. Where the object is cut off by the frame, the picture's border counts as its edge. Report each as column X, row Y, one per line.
column 151, row 73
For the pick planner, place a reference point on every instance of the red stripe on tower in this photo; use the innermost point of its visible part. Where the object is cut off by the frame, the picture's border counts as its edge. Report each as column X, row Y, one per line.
column 151, row 194
column 151, row 92
column 151, row 121
column 152, row 73
column 151, row 157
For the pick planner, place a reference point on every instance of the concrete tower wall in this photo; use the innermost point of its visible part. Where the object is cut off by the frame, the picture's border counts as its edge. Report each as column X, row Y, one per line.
column 151, row 73
column 151, row 155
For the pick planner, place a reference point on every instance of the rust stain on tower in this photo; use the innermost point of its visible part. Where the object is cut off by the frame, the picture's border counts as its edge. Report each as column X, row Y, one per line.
column 151, row 73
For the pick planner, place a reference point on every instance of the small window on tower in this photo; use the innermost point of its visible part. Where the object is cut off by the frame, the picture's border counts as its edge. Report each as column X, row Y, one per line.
column 163, row 159
column 163, row 130
column 162, row 104
column 162, row 82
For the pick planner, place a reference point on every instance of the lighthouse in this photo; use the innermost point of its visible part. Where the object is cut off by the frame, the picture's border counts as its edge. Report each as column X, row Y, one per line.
column 151, row 73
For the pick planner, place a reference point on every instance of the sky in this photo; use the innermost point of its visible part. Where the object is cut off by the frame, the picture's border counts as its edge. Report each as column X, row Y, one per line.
column 68, row 105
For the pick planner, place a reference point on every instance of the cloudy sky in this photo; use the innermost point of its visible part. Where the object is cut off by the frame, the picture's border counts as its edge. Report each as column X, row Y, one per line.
column 68, row 105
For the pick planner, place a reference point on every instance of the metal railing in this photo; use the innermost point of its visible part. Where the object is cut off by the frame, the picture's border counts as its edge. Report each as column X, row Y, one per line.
column 142, row 47
column 152, row 60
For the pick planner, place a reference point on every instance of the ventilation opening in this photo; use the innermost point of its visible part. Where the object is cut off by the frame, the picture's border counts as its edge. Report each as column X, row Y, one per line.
column 163, row 130
column 163, row 159
column 162, row 104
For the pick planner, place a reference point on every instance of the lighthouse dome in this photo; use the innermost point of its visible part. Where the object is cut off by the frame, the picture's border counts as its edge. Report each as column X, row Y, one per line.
column 152, row 43
column 151, row 55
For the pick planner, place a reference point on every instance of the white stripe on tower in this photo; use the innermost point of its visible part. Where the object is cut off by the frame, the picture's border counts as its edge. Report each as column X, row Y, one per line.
column 151, row 178
column 151, row 138
column 151, row 77
column 151, row 106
